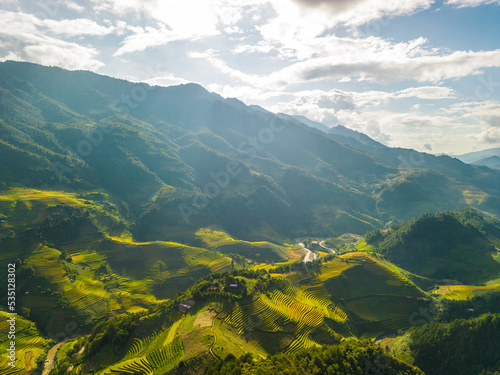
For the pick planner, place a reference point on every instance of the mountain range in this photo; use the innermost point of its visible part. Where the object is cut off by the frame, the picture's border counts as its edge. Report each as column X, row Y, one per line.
column 489, row 158
column 184, row 157
column 163, row 230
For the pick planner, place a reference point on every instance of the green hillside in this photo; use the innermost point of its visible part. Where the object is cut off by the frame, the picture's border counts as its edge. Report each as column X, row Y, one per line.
column 118, row 216
column 184, row 159
column 459, row 245
column 263, row 315
column 463, row 346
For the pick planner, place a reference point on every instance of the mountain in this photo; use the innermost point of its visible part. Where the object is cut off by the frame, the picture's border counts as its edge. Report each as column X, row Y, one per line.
column 476, row 156
column 161, row 230
column 492, row 162
column 182, row 157
column 459, row 245
column 355, row 139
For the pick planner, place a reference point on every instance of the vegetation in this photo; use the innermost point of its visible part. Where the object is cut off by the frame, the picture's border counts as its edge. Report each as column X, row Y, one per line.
column 117, row 222
column 451, row 245
column 460, row 347
column 349, row 358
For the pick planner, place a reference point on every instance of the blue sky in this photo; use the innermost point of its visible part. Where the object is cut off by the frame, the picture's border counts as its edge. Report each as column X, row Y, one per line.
column 410, row 73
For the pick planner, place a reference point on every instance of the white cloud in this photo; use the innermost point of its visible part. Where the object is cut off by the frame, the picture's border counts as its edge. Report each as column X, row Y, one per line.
column 487, row 112
column 371, row 59
column 166, row 80
column 427, row 92
column 145, row 38
column 73, row 6
column 358, row 12
column 303, row 20
column 387, row 67
column 491, row 136
column 471, row 3
column 23, row 41
column 49, row 51
column 201, row 55
column 76, row 27
column 176, row 20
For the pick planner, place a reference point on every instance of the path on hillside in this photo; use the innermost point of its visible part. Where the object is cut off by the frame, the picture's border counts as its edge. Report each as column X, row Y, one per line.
column 310, row 255
column 215, row 335
column 322, row 244
column 49, row 361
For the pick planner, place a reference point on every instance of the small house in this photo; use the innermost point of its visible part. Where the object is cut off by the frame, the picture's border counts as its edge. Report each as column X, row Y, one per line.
column 186, row 305
column 233, row 285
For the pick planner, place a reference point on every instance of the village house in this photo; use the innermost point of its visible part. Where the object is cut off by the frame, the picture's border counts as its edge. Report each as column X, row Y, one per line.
column 186, row 305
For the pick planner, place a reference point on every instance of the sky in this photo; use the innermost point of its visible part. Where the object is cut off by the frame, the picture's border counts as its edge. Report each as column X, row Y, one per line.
column 423, row 74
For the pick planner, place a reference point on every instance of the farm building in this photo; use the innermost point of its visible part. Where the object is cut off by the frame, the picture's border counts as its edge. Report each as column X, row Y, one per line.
column 186, row 305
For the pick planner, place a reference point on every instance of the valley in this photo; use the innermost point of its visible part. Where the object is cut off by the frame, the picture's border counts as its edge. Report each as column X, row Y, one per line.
column 196, row 235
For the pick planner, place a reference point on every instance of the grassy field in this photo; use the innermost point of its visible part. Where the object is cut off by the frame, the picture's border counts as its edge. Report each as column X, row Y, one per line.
column 464, row 292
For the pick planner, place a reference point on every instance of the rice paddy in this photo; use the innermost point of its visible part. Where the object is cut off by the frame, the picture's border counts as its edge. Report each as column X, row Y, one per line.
column 464, row 292
column 261, row 250
column 31, row 347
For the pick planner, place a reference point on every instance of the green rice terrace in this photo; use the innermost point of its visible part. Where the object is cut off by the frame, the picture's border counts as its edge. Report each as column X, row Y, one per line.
column 260, row 313
column 196, row 235
column 116, row 306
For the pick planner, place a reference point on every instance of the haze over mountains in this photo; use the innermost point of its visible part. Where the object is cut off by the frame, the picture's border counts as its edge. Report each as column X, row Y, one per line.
column 184, row 157
column 121, row 202
column 488, row 158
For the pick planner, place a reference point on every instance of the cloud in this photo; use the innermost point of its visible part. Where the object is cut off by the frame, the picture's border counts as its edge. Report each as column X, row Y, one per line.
column 49, row 51
column 358, row 12
column 487, row 113
column 382, row 67
column 145, row 38
column 427, row 92
column 22, row 40
column 166, row 80
column 303, row 20
column 333, row 6
column 371, row 59
column 175, row 20
column 74, row 6
column 76, row 27
column 471, row 3
column 490, row 136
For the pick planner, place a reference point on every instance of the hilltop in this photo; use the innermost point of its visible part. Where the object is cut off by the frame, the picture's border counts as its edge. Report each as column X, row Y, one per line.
column 460, row 245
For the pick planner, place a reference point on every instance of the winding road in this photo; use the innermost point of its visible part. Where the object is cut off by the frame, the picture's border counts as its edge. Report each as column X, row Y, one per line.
column 322, row 244
column 310, row 256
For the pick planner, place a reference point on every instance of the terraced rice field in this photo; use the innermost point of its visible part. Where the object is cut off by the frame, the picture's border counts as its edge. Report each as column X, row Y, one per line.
column 333, row 269
column 46, row 263
column 220, row 265
column 30, row 346
column 474, row 197
column 221, row 241
column 360, row 295
column 154, row 359
column 464, row 292
column 29, row 206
